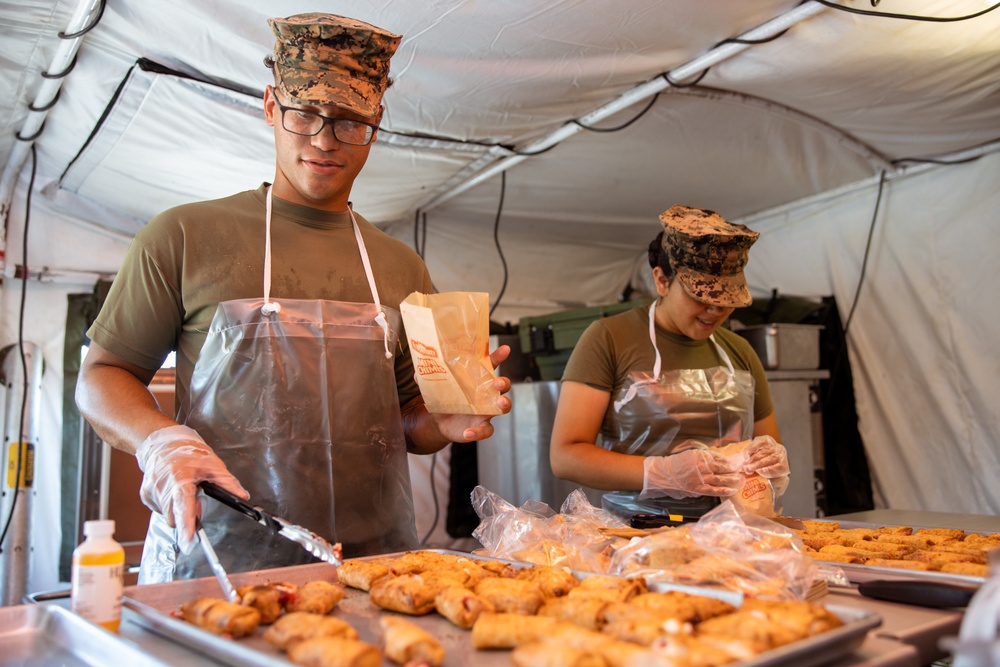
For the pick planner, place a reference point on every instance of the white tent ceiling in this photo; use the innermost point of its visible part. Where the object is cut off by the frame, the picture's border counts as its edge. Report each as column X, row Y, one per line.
column 789, row 135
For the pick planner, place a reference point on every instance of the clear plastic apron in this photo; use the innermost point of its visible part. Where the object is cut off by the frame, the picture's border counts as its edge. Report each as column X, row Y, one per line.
column 299, row 400
column 660, row 413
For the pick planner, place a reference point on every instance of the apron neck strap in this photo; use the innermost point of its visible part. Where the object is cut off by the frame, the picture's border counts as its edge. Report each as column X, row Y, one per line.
column 271, row 307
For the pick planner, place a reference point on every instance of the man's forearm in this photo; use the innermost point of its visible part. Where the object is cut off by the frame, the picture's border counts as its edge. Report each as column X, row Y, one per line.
column 121, row 409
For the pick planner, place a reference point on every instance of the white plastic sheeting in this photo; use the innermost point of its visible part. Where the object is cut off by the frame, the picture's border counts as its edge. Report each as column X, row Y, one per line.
column 788, row 136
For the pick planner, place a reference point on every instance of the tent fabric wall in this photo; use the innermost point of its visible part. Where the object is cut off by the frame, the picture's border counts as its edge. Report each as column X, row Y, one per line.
column 923, row 334
column 788, row 135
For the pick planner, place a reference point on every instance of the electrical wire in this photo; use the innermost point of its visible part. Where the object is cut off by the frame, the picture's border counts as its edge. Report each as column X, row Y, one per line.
column 868, row 247
column 20, row 345
column 639, row 115
column 907, row 17
column 842, row 351
column 437, row 508
column 496, row 239
column 93, row 24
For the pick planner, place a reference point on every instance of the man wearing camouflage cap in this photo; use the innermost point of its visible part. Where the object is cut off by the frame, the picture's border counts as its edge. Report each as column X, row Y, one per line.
column 665, row 387
column 294, row 386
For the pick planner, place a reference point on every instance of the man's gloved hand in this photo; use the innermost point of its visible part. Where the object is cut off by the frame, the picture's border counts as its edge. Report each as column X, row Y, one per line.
column 693, row 472
column 174, row 459
column 769, row 459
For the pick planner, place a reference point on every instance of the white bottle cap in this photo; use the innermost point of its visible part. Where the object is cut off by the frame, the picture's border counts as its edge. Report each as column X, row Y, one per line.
column 102, row 528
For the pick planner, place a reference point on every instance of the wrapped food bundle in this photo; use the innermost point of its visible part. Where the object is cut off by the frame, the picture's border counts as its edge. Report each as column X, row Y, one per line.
column 448, row 335
column 730, row 547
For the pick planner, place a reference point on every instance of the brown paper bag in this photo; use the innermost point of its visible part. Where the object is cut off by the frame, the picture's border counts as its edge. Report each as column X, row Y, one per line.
column 449, row 342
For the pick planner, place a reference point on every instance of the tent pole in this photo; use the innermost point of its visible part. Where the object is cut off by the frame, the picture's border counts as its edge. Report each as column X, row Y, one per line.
column 642, row 91
column 45, row 97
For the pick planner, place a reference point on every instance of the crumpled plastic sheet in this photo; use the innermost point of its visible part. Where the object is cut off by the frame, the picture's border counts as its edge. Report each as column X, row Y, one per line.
column 727, row 548
column 535, row 533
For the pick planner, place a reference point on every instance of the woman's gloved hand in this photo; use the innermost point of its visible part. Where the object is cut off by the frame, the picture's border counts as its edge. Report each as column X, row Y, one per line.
column 693, row 472
column 174, row 459
column 769, row 459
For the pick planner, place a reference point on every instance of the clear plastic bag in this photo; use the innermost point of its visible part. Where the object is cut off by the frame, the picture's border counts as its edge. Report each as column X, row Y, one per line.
column 729, row 548
column 534, row 533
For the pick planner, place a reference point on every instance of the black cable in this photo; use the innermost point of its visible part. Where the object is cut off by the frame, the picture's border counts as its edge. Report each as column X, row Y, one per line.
column 639, row 115
column 842, row 351
column 88, row 28
column 908, row 17
column 437, row 509
column 868, row 247
column 416, row 233
column 666, row 77
column 20, row 344
column 740, row 40
column 927, row 160
column 496, row 239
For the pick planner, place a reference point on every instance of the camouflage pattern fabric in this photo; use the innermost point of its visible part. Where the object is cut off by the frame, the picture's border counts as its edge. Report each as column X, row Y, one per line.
column 708, row 254
column 325, row 59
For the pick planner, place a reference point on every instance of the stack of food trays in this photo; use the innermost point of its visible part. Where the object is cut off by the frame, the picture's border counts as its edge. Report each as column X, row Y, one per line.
column 866, row 551
column 448, row 609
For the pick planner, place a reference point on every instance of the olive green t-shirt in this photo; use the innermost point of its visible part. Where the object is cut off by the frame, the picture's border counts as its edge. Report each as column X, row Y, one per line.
column 190, row 258
column 612, row 347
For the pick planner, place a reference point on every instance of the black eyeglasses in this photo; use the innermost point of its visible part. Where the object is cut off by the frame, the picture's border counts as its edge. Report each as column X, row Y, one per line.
column 309, row 124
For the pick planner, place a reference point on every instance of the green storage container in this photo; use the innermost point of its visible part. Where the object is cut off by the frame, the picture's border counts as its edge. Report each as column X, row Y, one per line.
column 550, row 339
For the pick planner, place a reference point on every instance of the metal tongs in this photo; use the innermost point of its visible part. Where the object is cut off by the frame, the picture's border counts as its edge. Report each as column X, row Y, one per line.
column 213, row 561
column 309, row 540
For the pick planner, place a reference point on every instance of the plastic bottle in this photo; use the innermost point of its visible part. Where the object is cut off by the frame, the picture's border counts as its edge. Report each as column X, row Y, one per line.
column 97, row 576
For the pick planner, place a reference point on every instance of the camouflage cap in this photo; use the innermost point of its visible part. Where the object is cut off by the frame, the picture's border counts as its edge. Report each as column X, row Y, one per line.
column 329, row 59
column 708, row 254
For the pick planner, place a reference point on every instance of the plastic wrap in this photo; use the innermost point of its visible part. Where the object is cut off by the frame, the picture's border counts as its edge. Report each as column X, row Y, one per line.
column 534, row 533
column 728, row 547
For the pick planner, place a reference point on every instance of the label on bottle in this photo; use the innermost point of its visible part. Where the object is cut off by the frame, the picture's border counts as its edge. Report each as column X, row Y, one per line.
column 97, row 592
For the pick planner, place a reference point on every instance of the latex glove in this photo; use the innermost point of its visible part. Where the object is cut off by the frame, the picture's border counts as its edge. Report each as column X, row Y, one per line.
column 174, row 459
column 693, row 472
column 769, row 459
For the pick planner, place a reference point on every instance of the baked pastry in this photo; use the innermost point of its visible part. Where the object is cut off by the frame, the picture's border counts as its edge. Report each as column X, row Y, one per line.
column 334, row 652
column 361, row 574
column 405, row 643
column 315, row 597
column 511, row 595
column 269, row 599
column 298, row 626
column 461, row 606
column 221, row 617
column 504, row 630
column 407, row 594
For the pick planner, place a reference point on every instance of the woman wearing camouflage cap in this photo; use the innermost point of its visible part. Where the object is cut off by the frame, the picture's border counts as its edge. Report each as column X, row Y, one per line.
column 648, row 395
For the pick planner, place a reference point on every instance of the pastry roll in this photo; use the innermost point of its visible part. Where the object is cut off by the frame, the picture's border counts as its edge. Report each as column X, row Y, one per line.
column 407, row 594
column 315, row 597
column 628, row 587
column 334, row 652
column 297, row 626
column 268, row 599
column 502, row 630
column 404, row 642
column 516, row 596
column 461, row 606
column 498, row 568
column 221, row 617
column 551, row 581
column 361, row 574
column 551, row 654
column 582, row 611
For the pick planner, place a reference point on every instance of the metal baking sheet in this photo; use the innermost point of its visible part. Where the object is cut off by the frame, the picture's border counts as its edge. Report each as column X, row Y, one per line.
column 40, row 634
column 154, row 605
column 858, row 574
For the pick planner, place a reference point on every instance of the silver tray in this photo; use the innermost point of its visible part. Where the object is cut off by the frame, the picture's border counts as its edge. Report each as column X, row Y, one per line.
column 155, row 603
column 859, row 574
column 41, row 634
